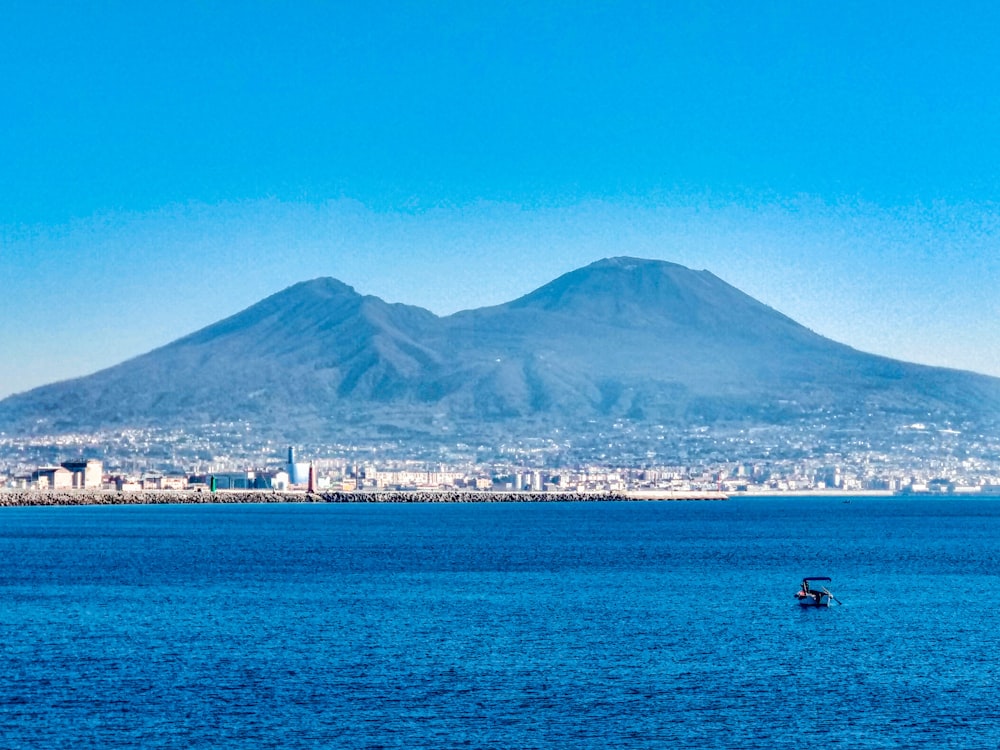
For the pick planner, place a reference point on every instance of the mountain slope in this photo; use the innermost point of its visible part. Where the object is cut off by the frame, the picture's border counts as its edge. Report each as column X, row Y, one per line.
column 622, row 337
column 313, row 343
column 648, row 331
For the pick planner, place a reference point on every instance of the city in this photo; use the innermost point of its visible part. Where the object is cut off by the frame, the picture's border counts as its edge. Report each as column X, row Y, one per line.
column 625, row 457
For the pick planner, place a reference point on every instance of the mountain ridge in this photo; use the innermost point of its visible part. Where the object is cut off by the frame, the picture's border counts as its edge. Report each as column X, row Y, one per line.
column 622, row 337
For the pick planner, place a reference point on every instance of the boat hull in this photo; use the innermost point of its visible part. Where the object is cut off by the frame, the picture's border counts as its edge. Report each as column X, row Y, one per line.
column 805, row 600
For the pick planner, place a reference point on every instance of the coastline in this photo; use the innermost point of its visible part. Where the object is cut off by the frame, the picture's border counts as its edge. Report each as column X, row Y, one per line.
column 41, row 498
column 819, row 493
column 79, row 497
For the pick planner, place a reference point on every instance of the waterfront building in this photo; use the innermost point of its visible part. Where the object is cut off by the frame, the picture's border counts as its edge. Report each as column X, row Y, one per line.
column 298, row 472
column 536, row 481
column 425, row 480
column 52, row 478
column 88, row 474
column 233, row 480
column 127, row 484
column 160, row 482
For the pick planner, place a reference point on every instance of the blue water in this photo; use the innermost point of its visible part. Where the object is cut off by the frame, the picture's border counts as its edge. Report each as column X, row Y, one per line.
column 515, row 626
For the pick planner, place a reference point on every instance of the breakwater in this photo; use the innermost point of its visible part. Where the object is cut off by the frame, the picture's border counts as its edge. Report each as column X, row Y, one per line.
column 169, row 497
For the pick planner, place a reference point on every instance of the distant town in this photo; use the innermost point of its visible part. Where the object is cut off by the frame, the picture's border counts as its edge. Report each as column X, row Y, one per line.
column 916, row 459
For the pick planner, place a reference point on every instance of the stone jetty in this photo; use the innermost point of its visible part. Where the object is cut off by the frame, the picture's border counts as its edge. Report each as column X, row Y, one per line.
column 171, row 497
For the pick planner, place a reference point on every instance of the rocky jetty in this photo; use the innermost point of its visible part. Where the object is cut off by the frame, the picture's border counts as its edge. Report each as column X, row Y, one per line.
column 170, row 497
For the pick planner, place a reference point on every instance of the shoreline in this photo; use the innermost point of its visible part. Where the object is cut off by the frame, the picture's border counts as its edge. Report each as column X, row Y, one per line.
column 43, row 498
column 822, row 493
column 81, row 497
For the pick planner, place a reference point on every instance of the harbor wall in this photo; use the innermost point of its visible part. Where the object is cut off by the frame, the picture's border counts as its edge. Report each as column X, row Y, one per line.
column 171, row 497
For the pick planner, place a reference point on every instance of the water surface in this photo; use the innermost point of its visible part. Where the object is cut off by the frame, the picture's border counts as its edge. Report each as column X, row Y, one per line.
column 667, row 624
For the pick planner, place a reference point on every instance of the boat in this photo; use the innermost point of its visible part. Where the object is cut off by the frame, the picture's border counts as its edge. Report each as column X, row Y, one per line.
column 814, row 593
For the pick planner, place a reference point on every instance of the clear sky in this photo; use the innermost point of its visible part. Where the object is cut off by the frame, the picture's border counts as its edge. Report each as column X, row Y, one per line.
column 165, row 165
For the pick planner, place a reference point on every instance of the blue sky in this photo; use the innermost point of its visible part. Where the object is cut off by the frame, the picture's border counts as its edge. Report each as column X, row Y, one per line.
column 162, row 167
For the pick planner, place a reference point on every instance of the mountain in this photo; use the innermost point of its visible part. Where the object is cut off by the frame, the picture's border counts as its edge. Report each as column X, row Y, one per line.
column 622, row 338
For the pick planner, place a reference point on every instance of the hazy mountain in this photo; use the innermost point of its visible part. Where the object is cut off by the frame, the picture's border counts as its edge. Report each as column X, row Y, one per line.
column 622, row 337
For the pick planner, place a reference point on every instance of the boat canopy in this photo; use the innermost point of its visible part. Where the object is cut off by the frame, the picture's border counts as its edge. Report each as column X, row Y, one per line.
column 817, row 578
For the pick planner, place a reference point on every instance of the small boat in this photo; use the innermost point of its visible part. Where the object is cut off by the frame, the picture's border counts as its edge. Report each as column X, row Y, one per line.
column 813, row 595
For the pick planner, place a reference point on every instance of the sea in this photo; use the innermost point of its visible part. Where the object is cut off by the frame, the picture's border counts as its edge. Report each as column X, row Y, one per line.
column 521, row 625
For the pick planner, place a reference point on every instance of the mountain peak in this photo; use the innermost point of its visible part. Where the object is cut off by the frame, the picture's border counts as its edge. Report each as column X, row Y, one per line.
column 628, row 263
column 615, row 287
column 316, row 299
column 322, row 286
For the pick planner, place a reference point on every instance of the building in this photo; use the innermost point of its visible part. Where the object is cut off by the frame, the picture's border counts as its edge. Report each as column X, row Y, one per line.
column 127, row 484
column 279, row 481
column 53, row 478
column 232, row 480
column 88, row 475
column 298, row 472
column 160, row 482
column 420, row 480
